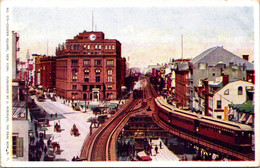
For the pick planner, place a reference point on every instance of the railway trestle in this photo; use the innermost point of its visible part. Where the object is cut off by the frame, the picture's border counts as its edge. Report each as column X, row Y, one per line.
column 201, row 143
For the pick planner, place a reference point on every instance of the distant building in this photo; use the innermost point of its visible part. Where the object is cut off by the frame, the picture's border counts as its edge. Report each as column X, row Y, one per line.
column 37, row 69
column 89, row 67
column 15, row 48
column 183, row 77
column 218, row 67
column 48, row 72
column 216, row 62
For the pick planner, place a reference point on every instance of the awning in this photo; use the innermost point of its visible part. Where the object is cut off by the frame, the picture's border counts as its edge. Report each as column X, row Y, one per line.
column 249, row 120
column 243, row 118
column 231, row 112
column 246, row 107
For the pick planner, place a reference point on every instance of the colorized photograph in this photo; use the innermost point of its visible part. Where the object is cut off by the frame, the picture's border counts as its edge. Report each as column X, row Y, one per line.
column 130, row 83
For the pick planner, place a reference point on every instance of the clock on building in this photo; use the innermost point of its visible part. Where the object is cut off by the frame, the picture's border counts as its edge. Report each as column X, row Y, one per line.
column 92, row 37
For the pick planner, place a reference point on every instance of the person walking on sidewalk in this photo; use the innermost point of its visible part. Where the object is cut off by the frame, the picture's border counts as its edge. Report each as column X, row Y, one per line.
column 156, row 149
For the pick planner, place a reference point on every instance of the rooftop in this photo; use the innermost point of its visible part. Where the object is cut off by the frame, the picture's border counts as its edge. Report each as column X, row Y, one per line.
column 216, row 55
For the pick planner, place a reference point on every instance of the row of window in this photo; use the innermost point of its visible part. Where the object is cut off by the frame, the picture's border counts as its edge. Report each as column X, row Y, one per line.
column 88, row 47
column 74, row 62
column 86, row 78
column 85, row 87
column 87, row 71
column 239, row 91
column 217, row 129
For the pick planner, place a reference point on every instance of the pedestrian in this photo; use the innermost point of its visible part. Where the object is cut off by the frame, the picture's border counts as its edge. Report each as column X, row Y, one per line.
column 73, row 159
column 160, row 144
column 51, row 115
column 45, row 150
column 49, row 142
column 56, row 115
column 156, row 149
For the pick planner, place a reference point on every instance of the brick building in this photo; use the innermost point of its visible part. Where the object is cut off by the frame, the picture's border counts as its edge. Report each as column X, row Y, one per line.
column 37, row 70
column 183, row 77
column 89, row 67
column 48, row 72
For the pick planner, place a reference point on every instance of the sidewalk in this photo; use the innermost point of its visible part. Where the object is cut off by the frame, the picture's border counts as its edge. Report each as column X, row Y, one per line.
column 164, row 154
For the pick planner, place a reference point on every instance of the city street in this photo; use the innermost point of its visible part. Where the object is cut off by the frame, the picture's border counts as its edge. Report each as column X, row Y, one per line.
column 69, row 145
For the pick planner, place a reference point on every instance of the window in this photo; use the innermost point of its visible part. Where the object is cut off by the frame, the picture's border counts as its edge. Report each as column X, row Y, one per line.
column 109, row 72
column 71, row 47
column 109, row 47
column 96, row 47
column 109, row 87
column 75, row 47
column 240, row 90
column 74, row 78
column 91, row 87
column 74, row 62
column 106, row 47
column 97, row 78
column 100, row 47
column 97, row 62
column 97, row 71
column 213, row 74
column 113, row 47
column 86, row 62
column 109, row 78
column 84, row 87
column 88, row 47
column 86, row 71
column 74, row 87
column 86, row 79
column 78, row 47
column 17, row 146
column 226, row 92
column 110, row 62
column 202, row 66
column 219, row 104
column 74, row 72
column 219, row 116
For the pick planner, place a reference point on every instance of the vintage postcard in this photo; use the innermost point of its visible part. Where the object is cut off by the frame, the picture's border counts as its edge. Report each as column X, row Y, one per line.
column 129, row 83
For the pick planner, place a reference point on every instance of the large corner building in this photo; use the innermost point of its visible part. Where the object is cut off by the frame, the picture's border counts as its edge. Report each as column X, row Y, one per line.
column 89, row 67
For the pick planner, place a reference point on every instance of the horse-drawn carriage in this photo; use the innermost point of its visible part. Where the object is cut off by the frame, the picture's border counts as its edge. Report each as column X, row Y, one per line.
column 57, row 127
column 74, row 131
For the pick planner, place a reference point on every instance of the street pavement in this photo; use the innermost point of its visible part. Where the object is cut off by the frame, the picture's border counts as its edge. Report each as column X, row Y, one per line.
column 69, row 145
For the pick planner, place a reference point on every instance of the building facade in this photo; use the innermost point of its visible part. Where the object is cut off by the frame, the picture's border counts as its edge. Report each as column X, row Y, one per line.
column 37, row 69
column 183, row 76
column 89, row 67
column 48, row 72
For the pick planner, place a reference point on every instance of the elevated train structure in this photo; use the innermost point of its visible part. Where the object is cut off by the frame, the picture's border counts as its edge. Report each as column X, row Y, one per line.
column 233, row 136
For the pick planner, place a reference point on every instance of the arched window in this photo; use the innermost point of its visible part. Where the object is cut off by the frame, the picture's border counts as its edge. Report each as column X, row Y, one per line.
column 240, row 90
column 75, row 47
column 71, row 47
column 78, row 47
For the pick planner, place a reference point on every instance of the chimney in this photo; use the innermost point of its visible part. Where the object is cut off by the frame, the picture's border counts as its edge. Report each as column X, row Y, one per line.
column 206, row 94
column 225, row 80
column 246, row 57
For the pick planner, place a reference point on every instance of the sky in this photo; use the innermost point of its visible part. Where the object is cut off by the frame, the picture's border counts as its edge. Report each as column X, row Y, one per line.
column 149, row 35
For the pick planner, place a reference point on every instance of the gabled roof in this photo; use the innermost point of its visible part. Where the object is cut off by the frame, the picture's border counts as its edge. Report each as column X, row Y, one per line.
column 215, row 55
